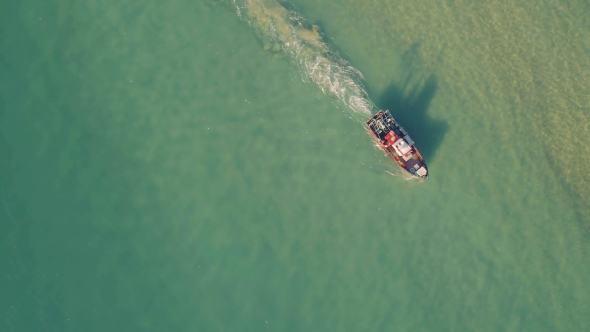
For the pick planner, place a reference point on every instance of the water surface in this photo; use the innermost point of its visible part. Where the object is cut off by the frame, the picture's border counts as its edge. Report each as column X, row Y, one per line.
column 202, row 166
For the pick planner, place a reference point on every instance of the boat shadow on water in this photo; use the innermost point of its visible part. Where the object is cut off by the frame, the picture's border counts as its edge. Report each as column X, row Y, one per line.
column 408, row 105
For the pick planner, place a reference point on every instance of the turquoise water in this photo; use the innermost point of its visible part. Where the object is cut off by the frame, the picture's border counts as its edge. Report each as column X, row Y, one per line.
column 202, row 166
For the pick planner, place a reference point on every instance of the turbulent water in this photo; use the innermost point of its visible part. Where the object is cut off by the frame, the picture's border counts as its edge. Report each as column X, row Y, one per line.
column 286, row 31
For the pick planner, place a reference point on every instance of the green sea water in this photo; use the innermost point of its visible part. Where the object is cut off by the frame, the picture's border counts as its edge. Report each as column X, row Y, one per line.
column 202, row 166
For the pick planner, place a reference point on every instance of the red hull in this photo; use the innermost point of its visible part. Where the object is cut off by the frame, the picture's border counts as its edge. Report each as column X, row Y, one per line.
column 397, row 144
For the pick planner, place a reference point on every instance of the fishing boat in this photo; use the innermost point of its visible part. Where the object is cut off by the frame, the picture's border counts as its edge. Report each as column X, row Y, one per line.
column 398, row 145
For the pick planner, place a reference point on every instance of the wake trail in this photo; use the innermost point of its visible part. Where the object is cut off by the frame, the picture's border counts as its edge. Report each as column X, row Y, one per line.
column 285, row 31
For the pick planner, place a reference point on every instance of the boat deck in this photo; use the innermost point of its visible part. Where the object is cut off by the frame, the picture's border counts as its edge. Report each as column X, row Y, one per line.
column 383, row 126
column 413, row 161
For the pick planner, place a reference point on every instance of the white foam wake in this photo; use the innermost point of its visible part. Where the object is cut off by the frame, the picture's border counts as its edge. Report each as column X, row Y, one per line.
column 286, row 31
